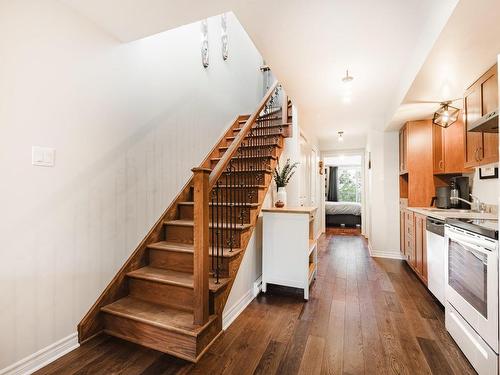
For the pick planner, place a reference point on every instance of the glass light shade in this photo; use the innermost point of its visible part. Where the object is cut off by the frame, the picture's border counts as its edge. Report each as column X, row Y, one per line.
column 445, row 116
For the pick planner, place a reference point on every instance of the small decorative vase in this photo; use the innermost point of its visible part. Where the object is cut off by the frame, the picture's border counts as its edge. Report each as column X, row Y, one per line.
column 281, row 197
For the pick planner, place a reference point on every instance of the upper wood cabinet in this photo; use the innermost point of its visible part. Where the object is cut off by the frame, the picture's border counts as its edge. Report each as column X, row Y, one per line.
column 403, row 150
column 447, row 149
column 480, row 99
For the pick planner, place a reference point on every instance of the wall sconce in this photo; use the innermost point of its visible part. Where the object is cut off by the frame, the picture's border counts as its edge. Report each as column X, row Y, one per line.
column 341, row 136
column 204, row 43
column 224, row 37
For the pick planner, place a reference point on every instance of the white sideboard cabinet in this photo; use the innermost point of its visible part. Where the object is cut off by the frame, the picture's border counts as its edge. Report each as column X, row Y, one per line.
column 289, row 253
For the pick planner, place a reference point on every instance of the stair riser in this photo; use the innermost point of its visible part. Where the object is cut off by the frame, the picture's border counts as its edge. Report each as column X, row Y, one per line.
column 246, row 164
column 166, row 294
column 243, row 194
column 183, row 234
column 265, row 151
column 186, row 213
column 171, row 260
column 182, row 262
column 157, row 338
column 264, row 142
column 249, row 178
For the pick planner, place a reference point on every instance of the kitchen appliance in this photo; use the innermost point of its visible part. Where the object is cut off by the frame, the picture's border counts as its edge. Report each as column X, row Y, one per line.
column 442, row 198
column 472, row 290
column 436, row 255
column 486, row 124
column 436, row 258
column 460, row 188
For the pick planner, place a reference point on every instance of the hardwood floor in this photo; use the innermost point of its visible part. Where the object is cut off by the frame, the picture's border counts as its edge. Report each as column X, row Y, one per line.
column 365, row 316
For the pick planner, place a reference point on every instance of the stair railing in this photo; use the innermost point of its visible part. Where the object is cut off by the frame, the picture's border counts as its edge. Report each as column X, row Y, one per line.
column 223, row 196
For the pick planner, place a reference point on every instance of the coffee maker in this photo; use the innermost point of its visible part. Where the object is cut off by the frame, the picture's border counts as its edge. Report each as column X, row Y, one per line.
column 460, row 188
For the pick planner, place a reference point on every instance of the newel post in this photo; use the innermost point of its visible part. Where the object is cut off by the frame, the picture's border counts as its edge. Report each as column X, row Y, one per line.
column 201, row 236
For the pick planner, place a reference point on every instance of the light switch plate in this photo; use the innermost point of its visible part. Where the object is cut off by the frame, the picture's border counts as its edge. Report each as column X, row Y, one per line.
column 43, row 156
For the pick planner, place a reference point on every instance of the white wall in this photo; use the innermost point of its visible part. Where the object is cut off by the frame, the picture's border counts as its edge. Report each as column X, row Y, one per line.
column 128, row 121
column 383, row 193
column 486, row 190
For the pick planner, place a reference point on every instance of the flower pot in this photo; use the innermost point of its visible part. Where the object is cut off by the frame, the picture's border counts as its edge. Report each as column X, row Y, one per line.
column 281, row 197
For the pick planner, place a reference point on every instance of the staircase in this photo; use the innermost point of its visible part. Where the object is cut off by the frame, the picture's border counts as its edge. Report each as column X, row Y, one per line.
column 171, row 292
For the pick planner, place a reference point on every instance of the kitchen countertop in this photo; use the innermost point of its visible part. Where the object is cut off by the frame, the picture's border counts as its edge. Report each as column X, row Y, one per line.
column 443, row 213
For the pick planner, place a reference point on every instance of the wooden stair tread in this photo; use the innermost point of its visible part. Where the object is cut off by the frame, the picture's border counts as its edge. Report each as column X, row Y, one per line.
column 189, row 223
column 267, row 126
column 236, row 204
column 271, row 144
column 161, row 316
column 269, row 135
column 188, row 248
column 249, row 157
column 268, row 117
column 171, row 277
column 251, row 171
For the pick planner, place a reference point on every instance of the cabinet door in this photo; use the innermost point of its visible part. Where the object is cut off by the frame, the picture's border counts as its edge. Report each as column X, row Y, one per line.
column 403, row 150
column 454, row 148
column 473, row 140
column 490, row 103
column 424, row 250
column 402, row 232
column 418, row 245
column 438, row 152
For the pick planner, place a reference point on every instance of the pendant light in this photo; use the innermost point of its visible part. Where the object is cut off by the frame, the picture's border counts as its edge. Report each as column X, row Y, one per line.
column 446, row 115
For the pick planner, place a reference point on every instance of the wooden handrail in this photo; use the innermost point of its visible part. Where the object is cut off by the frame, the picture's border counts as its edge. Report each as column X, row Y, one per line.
column 231, row 151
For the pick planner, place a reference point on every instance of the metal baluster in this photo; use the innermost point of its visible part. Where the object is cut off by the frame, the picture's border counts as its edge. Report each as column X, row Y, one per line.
column 218, row 233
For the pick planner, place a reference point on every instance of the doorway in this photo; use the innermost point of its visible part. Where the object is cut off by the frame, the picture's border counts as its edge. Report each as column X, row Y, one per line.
column 344, row 197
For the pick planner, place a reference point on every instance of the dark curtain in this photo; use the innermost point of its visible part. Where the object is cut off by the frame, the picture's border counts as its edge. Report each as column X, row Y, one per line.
column 332, row 185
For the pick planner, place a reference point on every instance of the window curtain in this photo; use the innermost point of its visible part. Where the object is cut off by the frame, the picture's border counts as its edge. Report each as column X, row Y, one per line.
column 332, row 185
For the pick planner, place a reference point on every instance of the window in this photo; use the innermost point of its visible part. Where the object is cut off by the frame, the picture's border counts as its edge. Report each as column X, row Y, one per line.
column 349, row 184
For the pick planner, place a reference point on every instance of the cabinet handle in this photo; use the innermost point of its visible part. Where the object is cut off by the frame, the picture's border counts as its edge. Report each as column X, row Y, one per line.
column 479, row 150
column 441, row 164
column 476, row 154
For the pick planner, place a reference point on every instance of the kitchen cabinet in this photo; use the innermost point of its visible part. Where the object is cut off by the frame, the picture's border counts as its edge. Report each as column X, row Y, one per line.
column 403, row 150
column 479, row 99
column 447, row 149
column 402, row 215
column 415, row 243
column 420, row 247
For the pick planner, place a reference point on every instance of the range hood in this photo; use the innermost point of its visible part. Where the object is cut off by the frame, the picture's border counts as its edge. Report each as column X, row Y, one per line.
column 486, row 124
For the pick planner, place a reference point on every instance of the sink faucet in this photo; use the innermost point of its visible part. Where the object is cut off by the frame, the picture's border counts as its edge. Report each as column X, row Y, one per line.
column 475, row 204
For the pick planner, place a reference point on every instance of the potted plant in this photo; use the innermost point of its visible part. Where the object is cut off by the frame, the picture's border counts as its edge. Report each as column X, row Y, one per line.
column 281, row 178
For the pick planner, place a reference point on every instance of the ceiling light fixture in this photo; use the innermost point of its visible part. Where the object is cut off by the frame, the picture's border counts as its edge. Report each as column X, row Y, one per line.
column 341, row 136
column 347, row 89
column 446, row 115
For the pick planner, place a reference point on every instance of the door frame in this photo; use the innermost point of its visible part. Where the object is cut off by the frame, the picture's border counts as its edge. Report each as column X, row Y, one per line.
column 352, row 152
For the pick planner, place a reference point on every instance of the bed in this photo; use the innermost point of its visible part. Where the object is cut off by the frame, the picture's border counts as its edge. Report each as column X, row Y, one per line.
column 347, row 213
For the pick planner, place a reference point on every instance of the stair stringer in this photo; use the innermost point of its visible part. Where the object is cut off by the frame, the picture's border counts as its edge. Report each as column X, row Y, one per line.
column 92, row 324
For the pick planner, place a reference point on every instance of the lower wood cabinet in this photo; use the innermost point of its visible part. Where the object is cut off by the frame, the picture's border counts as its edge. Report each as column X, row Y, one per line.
column 413, row 241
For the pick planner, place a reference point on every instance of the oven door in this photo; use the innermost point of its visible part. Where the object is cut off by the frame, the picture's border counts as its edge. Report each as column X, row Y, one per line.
column 472, row 281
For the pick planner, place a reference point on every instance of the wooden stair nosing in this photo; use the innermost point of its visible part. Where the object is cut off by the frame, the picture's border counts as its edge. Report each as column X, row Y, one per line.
column 175, row 278
column 137, row 309
column 248, row 157
column 273, row 144
column 224, row 204
column 286, row 124
column 270, row 135
column 190, row 223
column 188, row 248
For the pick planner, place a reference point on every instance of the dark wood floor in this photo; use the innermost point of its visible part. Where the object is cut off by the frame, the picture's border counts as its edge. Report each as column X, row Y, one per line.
column 365, row 316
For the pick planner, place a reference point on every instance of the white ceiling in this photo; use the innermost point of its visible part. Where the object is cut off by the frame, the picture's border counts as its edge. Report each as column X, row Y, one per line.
column 467, row 47
column 309, row 44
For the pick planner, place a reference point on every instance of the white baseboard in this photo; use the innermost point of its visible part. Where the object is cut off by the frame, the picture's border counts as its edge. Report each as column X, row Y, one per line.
column 230, row 315
column 43, row 357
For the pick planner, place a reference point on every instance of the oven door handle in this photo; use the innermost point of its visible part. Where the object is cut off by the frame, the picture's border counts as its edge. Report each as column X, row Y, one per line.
column 485, row 247
column 470, row 242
